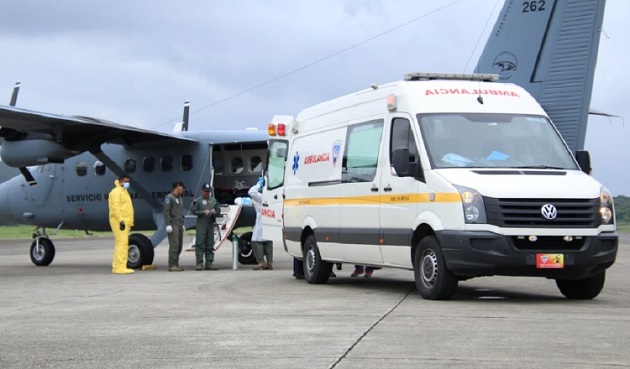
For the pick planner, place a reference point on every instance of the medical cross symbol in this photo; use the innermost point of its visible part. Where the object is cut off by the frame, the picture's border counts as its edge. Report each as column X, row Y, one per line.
column 296, row 162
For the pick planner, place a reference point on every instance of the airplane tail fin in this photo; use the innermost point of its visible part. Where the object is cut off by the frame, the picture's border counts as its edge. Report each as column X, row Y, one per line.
column 550, row 49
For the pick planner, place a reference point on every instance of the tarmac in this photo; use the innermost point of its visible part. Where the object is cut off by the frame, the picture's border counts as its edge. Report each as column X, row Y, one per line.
column 76, row 314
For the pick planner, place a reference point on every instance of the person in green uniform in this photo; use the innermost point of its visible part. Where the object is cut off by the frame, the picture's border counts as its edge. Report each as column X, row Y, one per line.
column 174, row 220
column 206, row 208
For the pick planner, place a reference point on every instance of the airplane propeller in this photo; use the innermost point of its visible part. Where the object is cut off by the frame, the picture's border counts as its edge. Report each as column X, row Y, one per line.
column 25, row 172
column 186, row 114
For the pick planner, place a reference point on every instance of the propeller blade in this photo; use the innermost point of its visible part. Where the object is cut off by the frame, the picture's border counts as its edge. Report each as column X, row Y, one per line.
column 28, row 176
column 186, row 114
column 16, row 90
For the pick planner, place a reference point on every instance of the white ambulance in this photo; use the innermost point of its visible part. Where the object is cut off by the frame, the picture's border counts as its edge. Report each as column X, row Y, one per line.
column 451, row 176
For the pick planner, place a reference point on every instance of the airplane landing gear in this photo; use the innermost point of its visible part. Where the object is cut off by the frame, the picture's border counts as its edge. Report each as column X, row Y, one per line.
column 42, row 251
column 140, row 251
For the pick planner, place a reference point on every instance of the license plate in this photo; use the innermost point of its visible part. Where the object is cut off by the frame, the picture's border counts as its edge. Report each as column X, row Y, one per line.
column 549, row 261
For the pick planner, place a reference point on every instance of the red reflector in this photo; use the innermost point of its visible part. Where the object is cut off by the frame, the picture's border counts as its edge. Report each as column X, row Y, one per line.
column 281, row 129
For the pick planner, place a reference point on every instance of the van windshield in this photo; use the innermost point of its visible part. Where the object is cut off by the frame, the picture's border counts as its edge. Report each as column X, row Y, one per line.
column 479, row 140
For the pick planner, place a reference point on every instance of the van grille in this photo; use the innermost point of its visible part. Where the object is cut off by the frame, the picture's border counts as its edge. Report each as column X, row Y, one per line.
column 571, row 213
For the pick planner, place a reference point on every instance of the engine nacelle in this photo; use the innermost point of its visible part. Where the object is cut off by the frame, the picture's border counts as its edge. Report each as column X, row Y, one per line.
column 24, row 153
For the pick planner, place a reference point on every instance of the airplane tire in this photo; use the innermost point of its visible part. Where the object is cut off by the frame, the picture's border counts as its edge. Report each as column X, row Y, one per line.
column 43, row 255
column 316, row 271
column 584, row 289
column 433, row 279
column 141, row 251
column 245, row 252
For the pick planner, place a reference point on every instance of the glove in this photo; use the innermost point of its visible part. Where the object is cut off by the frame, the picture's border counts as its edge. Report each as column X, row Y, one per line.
column 122, row 225
column 169, row 229
column 261, row 182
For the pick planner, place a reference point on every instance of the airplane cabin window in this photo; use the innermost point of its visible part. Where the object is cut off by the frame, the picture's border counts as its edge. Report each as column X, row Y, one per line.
column 99, row 168
column 148, row 164
column 166, row 163
column 81, row 168
column 187, row 162
column 130, row 166
column 237, row 165
column 256, row 164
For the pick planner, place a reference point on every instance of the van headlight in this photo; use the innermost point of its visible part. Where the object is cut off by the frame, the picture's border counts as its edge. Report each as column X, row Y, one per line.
column 606, row 206
column 472, row 202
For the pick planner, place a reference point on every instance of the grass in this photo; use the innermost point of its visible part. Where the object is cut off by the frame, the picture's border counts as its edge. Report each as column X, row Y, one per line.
column 20, row 232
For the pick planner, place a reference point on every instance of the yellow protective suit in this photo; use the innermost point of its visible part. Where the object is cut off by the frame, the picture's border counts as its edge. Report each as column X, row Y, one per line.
column 120, row 210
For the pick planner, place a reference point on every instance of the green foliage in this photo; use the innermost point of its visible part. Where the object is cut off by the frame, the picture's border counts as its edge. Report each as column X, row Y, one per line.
column 622, row 210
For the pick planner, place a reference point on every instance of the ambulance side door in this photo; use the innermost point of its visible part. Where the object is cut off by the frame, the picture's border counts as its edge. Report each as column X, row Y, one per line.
column 273, row 195
column 359, row 193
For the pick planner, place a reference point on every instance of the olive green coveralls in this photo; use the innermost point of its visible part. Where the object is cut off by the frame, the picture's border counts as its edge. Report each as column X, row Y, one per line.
column 174, row 216
column 204, row 228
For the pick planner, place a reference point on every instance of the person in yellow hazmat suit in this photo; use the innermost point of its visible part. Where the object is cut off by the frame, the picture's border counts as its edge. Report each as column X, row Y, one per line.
column 121, row 221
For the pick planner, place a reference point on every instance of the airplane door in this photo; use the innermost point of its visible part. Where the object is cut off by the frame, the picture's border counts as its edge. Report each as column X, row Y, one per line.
column 273, row 196
column 399, row 203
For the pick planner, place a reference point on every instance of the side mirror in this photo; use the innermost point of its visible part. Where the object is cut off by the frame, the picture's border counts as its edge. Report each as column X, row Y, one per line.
column 400, row 160
column 584, row 161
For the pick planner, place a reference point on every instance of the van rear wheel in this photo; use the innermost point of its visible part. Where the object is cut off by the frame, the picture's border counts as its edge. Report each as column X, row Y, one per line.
column 433, row 280
column 316, row 271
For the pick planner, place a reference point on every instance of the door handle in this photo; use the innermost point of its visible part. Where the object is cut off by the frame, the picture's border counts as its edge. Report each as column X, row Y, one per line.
column 265, row 204
column 374, row 189
column 387, row 189
column 275, row 197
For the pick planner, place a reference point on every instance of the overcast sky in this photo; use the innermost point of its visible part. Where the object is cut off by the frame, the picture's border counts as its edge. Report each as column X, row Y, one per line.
column 241, row 62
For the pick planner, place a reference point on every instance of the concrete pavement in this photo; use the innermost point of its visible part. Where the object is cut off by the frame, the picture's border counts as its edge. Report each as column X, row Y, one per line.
column 76, row 314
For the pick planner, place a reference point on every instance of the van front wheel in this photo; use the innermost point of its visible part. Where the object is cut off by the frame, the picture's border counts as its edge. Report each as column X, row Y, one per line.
column 433, row 280
column 316, row 271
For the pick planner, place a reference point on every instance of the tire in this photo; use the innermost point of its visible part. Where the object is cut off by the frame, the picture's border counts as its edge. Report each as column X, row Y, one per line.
column 245, row 251
column 141, row 251
column 433, row 279
column 44, row 254
column 316, row 271
column 583, row 289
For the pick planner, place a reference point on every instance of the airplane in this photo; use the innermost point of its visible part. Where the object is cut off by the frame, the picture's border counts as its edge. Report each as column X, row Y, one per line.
column 69, row 163
column 553, row 59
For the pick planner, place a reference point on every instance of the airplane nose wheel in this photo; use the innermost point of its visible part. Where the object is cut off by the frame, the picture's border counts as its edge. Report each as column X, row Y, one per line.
column 42, row 251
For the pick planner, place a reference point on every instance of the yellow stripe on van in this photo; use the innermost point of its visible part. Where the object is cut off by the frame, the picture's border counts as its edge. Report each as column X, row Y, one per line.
column 403, row 198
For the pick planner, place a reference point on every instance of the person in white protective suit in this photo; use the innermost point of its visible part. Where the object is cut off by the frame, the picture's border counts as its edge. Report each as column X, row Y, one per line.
column 121, row 221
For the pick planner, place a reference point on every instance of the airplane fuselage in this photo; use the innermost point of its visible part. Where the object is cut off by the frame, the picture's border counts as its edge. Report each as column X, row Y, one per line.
column 74, row 194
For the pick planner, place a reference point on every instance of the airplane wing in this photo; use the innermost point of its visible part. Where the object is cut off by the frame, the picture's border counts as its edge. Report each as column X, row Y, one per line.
column 74, row 133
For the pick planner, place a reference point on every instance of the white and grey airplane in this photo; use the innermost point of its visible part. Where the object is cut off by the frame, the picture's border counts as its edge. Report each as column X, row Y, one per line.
column 68, row 163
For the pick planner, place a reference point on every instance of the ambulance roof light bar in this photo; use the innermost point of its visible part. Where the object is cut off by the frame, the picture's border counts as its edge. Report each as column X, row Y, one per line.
column 454, row 76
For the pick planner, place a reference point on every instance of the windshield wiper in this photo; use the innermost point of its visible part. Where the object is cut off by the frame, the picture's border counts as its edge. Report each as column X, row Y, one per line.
column 539, row 166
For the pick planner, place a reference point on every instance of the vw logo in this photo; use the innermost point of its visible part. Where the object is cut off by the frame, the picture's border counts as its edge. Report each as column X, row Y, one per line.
column 549, row 211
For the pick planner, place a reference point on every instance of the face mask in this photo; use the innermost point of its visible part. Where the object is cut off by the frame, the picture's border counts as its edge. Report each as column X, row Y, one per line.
column 126, row 185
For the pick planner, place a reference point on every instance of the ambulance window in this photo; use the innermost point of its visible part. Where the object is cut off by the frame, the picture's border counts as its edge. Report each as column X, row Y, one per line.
column 167, row 163
column 237, row 165
column 99, row 168
column 148, row 164
column 402, row 138
column 275, row 163
column 361, row 153
column 187, row 162
column 81, row 168
column 130, row 166
column 255, row 164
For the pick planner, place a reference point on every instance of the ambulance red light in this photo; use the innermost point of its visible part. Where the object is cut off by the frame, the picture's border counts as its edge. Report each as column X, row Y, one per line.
column 271, row 129
column 281, row 129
